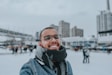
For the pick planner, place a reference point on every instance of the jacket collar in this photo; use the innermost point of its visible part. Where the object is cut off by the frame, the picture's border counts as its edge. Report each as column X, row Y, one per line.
column 39, row 52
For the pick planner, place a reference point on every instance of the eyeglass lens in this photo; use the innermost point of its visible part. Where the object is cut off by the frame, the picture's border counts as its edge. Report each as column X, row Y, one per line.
column 48, row 37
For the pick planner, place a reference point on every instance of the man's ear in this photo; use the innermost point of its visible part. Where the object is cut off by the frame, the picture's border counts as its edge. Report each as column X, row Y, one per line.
column 40, row 44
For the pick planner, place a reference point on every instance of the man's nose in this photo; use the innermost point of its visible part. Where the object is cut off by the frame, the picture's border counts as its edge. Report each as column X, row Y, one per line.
column 53, row 39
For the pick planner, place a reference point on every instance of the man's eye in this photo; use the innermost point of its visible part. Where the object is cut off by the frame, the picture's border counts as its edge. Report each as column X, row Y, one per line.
column 56, row 37
column 47, row 38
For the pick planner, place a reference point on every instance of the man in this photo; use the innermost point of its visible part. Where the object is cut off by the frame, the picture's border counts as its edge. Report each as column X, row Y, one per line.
column 49, row 58
column 85, row 55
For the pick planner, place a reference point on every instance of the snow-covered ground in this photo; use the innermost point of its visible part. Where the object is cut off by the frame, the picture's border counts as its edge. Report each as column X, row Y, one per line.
column 100, row 63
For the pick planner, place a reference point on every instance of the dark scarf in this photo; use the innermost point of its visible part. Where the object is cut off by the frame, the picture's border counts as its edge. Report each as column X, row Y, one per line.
column 53, row 59
column 54, row 55
column 57, row 55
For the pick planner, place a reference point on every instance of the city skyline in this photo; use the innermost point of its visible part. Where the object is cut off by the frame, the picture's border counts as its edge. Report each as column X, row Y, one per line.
column 64, row 29
column 31, row 16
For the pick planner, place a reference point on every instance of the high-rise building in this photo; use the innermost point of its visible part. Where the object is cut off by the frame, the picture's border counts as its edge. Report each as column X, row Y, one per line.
column 104, row 21
column 104, row 25
column 64, row 29
column 37, row 36
column 76, row 32
column 108, row 5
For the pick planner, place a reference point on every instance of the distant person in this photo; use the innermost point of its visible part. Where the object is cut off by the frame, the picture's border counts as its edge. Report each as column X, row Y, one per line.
column 49, row 58
column 109, row 51
column 86, row 55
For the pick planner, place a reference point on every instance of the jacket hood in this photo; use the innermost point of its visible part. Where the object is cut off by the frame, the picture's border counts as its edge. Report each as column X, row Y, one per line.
column 39, row 52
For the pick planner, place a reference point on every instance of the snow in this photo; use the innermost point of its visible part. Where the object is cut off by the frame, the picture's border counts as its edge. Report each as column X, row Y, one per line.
column 100, row 62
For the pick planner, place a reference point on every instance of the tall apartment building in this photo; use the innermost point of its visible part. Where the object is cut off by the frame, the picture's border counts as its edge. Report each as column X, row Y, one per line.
column 104, row 26
column 64, row 29
column 76, row 32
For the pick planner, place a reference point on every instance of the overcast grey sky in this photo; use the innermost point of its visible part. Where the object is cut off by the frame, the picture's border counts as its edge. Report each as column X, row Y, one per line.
column 30, row 16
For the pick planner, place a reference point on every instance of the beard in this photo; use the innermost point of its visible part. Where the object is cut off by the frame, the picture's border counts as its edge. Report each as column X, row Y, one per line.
column 57, row 55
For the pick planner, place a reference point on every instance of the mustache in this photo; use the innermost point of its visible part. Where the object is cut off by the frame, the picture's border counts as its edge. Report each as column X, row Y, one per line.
column 56, row 44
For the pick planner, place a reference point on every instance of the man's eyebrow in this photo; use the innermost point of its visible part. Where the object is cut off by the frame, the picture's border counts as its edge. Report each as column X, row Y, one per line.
column 51, row 35
column 47, row 35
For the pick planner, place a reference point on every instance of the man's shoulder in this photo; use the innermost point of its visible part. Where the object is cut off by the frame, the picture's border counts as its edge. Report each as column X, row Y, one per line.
column 29, row 62
column 67, row 62
column 31, row 67
column 32, row 63
column 26, row 68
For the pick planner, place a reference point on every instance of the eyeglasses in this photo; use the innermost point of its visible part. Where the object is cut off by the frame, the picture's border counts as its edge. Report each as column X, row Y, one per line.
column 49, row 37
